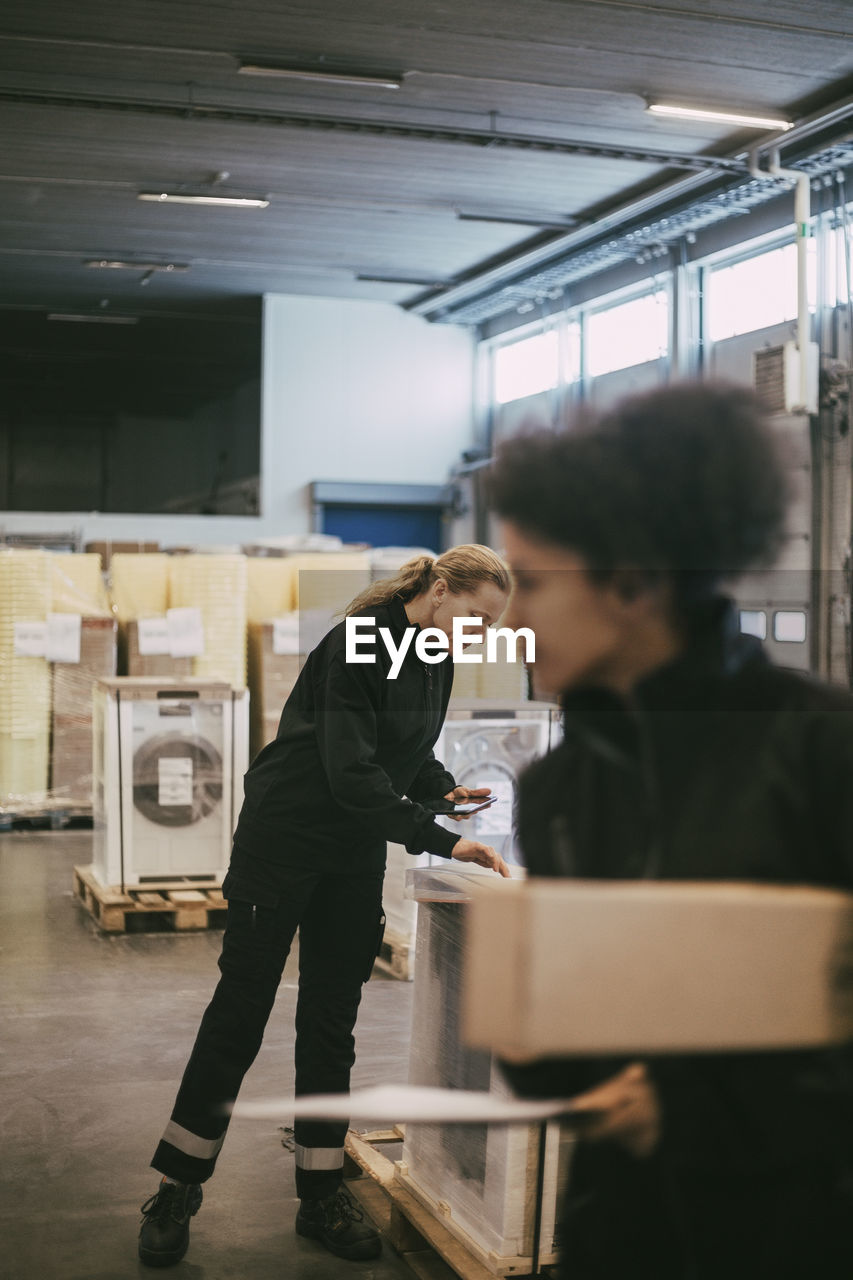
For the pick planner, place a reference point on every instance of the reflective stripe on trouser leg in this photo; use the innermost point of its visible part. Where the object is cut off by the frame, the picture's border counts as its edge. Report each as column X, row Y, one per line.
column 324, row 1158
column 319, row 1170
column 190, row 1143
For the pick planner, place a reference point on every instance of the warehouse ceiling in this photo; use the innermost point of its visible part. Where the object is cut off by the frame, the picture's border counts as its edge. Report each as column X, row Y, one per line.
column 504, row 133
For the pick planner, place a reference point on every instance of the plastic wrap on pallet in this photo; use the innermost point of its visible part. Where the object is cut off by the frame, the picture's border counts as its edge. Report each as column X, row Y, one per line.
column 169, row 759
column 274, row 663
column 401, row 910
column 136, row 658
column 79, row 596
column 215, row 585
column 25, row 600
column 479, row 1179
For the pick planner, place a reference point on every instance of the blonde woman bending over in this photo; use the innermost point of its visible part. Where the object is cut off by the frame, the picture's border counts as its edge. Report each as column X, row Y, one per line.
column 351, row 768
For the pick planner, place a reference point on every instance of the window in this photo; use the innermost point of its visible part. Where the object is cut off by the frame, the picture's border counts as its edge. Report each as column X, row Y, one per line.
column 789, row 626
column 758, row 292
column 572, row 369
column 627, row 334
column 526, row 367
column 753, row 622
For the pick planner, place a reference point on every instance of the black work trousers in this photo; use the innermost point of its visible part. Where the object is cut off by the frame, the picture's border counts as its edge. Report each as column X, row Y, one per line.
column 338, row 917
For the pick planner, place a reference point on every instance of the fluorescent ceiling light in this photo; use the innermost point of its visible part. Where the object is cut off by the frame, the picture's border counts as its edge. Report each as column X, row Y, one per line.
column 376, row 277
column 721, row 117
column 119, row 264
column 545, row 223
column 177, row 197
column 91, row 319
column 318, row 76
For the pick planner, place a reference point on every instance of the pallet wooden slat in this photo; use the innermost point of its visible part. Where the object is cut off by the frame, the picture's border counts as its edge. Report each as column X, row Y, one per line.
column 180, row 908
column 415, row 1233
column 397, row 956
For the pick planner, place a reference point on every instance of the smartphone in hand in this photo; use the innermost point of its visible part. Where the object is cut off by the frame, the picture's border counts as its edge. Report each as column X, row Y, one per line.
column 462, row 809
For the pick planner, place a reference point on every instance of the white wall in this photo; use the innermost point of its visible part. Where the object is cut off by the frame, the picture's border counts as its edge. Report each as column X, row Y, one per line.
column 351, row 391
column 358, row 391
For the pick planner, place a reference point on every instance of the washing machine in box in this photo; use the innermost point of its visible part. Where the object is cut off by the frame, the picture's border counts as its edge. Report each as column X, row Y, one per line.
column 169, row 759
column 488, row 744
column 478, row 1180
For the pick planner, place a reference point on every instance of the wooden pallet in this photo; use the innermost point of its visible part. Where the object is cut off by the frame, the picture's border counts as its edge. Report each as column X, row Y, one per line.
column 162, row 906
column 397, row 956
column 424, row 1242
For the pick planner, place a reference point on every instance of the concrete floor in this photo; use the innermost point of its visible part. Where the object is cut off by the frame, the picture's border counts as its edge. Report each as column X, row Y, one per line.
column 96, row 1030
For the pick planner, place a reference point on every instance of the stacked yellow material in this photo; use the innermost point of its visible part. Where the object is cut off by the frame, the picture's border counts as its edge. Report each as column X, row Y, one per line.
column 139, row 585
column 77, row 585
column 216, row 586
column 25, row 596
column 270, row 587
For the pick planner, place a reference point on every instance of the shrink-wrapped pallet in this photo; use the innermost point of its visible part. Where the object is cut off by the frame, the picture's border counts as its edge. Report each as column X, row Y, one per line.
column 25, row 599
column 215, row 585
column 137, row 660
column 273, row 663
column 71, row 719
column 78, row 595
column 478, row 1179
column 139, row 590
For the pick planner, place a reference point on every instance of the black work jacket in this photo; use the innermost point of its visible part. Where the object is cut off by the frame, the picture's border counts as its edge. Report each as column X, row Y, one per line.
column 328, row 791
column 720, row 766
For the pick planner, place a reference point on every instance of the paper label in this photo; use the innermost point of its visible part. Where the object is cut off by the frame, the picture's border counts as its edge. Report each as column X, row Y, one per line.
column 175, row 780
column 152, row 636
column 186, row 633
column 31, row 639
column 63, row 637
column 285, row 634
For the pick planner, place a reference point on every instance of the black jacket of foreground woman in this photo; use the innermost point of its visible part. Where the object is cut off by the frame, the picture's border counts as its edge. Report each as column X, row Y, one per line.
column 721, row 766
column 350, row 765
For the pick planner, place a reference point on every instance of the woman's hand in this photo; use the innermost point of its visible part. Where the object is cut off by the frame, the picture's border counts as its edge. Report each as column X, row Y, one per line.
column 629, row 1111
column 465, row 795
column 483, row 854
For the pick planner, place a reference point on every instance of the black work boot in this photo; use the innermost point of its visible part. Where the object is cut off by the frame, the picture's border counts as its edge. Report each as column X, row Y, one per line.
column 165, row 1231
column 339, row 1225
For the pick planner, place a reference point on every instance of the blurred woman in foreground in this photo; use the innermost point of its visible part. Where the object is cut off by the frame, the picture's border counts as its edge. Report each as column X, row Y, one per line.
column 687, row 755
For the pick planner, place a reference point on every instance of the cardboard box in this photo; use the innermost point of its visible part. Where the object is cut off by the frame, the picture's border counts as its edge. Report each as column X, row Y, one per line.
column 558, row 967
